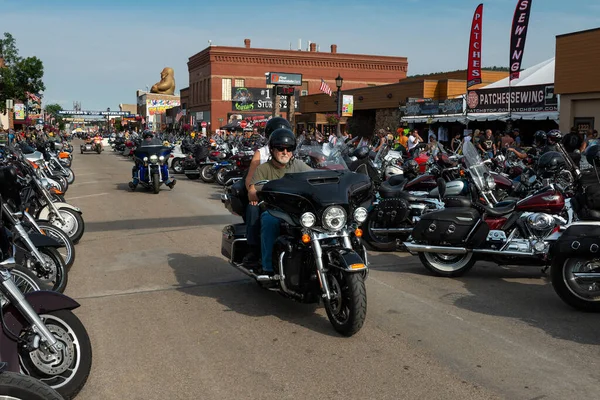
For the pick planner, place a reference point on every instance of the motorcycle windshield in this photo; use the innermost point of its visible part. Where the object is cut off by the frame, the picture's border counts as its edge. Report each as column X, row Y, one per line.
column 324, row 157
column 478, row 170
column 147, row 151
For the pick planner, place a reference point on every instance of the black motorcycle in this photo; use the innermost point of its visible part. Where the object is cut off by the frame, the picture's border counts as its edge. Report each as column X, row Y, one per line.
column 319, row 253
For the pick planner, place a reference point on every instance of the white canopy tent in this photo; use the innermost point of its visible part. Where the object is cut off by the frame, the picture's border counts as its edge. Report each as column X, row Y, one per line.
column 539, row 74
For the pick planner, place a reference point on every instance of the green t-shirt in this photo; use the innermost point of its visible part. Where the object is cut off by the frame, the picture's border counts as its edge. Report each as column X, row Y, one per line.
column 268, row 172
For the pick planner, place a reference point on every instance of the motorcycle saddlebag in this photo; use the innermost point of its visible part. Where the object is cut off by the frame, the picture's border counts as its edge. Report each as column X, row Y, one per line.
column 578, row 240
column 452, row 226
column 233, row 242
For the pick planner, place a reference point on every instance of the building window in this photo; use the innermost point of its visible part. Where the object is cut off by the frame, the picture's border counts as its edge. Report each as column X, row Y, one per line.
column 207, row 93
column 226, row 89
column 240, row 83
column 304, row 93
column 269, row 86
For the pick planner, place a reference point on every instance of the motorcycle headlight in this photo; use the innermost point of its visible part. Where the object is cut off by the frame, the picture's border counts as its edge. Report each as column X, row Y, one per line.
column 334, row 218
column 161, row 158
column 154, row 158
column 308, row 219
column 145, row 159
column 45, row 183
column 360, row 214
column 491, row 183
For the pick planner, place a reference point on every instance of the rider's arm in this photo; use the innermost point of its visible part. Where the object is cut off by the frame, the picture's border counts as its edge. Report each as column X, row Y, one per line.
column 254, row 163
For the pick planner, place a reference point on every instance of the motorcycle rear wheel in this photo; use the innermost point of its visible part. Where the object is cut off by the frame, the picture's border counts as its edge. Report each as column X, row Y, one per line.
column 582, row 294
column 14, row 386
column 377, row 241
column 347, row 309
column 448, row 265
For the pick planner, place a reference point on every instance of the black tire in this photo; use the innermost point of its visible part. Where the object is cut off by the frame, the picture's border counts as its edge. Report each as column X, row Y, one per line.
column 177, row 166
column 75, row 232
column 57, row 198
column 71, row 177
column 68, row 251
column 565, row 285
column 206, row 175
column 98, row 149
column 82, row 150
column 69, row 330
column 155, row 183
column 192, row 177
column 378, row 242
column 221, row 176
column 62, row 181
column 22, row 387
column 448, row 265
column 348, row 288
column 54, row 280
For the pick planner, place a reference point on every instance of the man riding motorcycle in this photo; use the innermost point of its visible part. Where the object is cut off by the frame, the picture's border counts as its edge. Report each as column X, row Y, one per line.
column 148, row 140
column 282, row 144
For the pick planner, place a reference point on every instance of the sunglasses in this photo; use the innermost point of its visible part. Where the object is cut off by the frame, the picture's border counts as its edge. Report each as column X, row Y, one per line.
column 283, row 148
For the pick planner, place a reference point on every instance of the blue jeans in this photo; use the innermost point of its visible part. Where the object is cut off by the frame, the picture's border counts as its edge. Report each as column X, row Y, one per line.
column 269, row 231
column 253, row 226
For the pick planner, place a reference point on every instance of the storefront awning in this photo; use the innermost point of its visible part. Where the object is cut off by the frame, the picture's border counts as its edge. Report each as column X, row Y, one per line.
column 463, row 118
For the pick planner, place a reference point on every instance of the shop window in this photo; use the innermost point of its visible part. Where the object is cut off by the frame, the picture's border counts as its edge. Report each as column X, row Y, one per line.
column 304, row 93
column 240, row 83
column 226, row 89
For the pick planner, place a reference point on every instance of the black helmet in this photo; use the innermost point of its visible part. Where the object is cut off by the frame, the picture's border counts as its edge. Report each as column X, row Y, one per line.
column 276, row 123
column 411, row 167
column 539, row 137
column 551, row 162
column 148, row 134
column 554, row 136
column 282, row 137
column 592, row 155
column 361, row 152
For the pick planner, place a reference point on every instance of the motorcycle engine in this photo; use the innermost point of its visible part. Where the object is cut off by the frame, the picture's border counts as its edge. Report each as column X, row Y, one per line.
column 540, row 225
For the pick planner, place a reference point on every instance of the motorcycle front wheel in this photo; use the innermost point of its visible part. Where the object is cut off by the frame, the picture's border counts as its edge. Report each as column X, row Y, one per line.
column 68, row 250
column 577, row 282
column 448, row 265
column 70, row 368
column 14, row 386
column 347, row 308
column 221, row 176
column 74, row 225
column 70, row 176
column 206, row 174
column 155, row 183
column 56, row 278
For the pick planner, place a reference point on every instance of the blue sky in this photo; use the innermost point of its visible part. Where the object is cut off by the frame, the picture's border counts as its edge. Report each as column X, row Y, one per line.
column 101, row 52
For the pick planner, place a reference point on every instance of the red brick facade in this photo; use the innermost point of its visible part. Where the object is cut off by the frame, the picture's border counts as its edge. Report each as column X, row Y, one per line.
column 248, row 66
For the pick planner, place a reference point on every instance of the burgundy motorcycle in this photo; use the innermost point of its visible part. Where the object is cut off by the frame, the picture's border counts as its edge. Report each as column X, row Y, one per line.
column 514, row 232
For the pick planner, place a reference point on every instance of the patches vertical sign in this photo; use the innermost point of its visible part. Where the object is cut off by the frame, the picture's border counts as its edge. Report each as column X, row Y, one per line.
column 474, row 62
column 518, row 35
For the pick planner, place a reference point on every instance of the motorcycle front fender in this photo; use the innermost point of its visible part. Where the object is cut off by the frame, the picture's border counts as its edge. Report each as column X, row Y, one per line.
column 41, row 241
column 346, row 260
column 45, row 212
column 42, row 302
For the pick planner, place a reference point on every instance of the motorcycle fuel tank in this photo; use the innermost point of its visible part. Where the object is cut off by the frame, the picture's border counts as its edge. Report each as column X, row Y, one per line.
column 422, row 183
column 545, row 200
column 454, row 188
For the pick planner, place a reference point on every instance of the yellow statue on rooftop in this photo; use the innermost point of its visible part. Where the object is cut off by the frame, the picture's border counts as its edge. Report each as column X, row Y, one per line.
column 166, row 84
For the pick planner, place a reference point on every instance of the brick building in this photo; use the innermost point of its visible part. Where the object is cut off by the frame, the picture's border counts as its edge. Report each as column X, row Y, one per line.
column 214, row 71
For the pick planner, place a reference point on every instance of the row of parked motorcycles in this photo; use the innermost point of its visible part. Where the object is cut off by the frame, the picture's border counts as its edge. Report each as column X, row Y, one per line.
column 45, row 351
column 451, row 210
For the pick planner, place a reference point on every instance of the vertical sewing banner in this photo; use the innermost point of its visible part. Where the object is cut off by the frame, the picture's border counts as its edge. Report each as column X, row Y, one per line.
column 518, row 35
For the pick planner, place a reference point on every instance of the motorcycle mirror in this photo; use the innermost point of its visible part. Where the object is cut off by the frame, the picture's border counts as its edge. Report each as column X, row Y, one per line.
column 441, row 184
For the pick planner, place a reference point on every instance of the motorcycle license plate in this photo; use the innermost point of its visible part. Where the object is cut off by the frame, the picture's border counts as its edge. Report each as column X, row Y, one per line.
column 88, row 147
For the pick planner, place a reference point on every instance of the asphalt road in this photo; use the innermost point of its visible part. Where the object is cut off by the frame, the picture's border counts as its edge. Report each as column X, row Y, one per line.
column 170, row 319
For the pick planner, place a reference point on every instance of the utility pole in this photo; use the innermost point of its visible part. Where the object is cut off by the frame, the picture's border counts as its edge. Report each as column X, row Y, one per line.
column 292, row 111
column 276, row 106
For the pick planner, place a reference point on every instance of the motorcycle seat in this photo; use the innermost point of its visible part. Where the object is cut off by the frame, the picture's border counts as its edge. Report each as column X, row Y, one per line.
column 499, row 210
column 591, row 215
column 394, row 187
column 457, row 201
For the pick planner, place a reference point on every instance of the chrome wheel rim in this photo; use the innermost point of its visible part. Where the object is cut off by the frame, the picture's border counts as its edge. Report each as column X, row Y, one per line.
column 70, row 226
column 582, row 278
column 448, row 262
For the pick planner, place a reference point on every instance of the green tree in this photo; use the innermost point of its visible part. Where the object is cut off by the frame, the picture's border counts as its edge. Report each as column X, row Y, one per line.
column 20, row 75
column 53, row 109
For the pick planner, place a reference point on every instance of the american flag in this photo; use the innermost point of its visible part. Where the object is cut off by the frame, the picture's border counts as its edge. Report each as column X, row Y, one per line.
column 178, row 116
column 325, row 88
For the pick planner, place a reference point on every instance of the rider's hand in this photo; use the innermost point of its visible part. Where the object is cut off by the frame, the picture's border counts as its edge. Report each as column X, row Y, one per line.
column 252, row 196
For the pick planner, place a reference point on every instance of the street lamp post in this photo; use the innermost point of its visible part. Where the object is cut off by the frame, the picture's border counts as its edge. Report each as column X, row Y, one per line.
column 338, row 82
column 108, row 120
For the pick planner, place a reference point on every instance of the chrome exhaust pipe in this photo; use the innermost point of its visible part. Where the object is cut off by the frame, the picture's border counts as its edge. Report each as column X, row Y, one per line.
column 425, row 248
column 505, row 253
column 391, row 230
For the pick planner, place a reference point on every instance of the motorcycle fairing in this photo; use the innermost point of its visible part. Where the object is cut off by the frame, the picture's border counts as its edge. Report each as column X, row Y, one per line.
column 345, row 259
